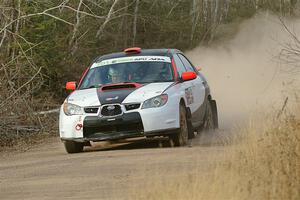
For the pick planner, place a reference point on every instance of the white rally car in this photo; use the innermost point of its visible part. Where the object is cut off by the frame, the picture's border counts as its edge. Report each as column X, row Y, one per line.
column 137, row 93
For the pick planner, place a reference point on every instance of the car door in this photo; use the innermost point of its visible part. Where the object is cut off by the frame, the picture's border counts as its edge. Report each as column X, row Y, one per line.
column 185, row 87
column 198, row 92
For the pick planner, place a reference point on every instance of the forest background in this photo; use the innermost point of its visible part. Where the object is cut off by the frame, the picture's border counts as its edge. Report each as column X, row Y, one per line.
column 44, row 44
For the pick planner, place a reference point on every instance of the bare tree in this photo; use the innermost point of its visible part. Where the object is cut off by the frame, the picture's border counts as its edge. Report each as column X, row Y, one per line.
column 195, row 13
column 136, row 9
column 19, row 74
column 290, row 52
column 76, row 27
column 107, row 19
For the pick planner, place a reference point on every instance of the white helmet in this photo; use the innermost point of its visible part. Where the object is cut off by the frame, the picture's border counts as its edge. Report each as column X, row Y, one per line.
column 115, row 71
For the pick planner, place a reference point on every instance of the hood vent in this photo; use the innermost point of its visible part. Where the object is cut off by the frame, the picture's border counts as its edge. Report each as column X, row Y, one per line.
column 120, row 86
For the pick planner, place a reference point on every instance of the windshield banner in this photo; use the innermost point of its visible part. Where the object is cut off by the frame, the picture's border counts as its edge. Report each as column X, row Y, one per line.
column 132, row 59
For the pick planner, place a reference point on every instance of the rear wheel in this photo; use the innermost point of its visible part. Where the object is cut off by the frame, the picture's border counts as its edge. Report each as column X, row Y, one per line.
column 208, row 121
column 211, row 116
column 181, row 138
column 214, row 108
column 73, row 147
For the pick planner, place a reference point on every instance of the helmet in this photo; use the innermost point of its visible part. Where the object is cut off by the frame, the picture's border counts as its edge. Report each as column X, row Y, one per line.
column 116, row 74
column 115, row 71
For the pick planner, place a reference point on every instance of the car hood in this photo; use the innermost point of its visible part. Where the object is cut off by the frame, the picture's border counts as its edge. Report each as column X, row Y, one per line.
column 146, row 92
column 84, row 98
column 96, row 97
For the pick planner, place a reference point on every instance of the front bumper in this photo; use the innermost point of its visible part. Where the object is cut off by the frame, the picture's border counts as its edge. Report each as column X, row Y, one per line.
column 122, row 135
column 137, row 123
column 124, row 126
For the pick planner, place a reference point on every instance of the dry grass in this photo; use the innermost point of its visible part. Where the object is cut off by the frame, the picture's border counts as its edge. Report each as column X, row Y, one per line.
column 22, row 133
column 262, row 163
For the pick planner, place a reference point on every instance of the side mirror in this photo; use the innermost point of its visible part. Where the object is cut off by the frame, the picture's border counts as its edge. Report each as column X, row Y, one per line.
column 71, row 85
column 187, row 76
column 198, row 68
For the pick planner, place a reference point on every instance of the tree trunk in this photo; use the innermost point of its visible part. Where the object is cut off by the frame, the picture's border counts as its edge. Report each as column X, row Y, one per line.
column 135, row 21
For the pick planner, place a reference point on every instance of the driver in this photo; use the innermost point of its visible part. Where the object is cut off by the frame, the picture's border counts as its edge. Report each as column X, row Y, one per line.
column 116, row 74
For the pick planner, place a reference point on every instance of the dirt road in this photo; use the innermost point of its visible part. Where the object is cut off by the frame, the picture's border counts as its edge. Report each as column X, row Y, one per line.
column 47, row 172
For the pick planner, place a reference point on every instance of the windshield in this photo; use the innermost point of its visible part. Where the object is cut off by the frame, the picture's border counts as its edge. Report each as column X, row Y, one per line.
column 139, row 72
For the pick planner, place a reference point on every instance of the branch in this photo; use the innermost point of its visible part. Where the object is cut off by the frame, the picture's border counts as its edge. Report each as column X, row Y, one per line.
column 3, row 102
column 36, row 14
column 6, row 64
column 289, row 31
column 99, row 32
column 3, row 37
column 20, row 36
column 77, row 22
column 283, row 107
column 82, row 12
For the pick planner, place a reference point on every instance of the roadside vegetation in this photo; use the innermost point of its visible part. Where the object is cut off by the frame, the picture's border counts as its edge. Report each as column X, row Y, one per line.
column 261, row 162
column 43, row 44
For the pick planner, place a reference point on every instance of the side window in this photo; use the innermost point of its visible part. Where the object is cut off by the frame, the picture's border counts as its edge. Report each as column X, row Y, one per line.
column 179, row 65
column 187, row 63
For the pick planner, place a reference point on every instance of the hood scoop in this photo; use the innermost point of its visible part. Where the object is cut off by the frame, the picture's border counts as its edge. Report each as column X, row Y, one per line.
column 120, row 86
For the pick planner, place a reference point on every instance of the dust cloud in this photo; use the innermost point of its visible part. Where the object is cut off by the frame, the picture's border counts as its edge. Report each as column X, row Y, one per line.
column 243, row 72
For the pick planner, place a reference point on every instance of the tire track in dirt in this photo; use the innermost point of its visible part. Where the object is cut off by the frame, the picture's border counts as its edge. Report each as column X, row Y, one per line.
column 47, row 172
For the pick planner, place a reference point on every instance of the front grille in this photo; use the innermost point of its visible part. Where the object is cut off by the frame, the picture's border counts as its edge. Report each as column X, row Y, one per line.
column 111, row 110
column 126, row 125
column 91, row 110
column 132, row 106
column 130, row 127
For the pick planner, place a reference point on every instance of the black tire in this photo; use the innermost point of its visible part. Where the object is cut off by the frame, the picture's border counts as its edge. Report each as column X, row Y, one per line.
column 209, row 123
column 73, row 147
column 181, row 138
column 214, row 108
column 87, row 143
column 190, row 127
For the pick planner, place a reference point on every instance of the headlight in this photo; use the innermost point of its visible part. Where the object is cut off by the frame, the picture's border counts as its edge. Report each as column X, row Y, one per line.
column 155, row 101
column 72, row 109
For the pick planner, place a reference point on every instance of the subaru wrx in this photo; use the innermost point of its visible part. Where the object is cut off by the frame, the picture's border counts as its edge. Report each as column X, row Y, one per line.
column 137, row 93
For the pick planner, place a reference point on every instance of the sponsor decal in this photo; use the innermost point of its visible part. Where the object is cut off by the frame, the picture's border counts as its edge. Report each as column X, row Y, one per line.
column 112, row 98
column 189, row 95
column 78, row 127
column 132, row 59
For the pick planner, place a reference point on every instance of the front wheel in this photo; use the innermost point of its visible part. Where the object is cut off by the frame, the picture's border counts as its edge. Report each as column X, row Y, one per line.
column 73, row 147
column 181, row 138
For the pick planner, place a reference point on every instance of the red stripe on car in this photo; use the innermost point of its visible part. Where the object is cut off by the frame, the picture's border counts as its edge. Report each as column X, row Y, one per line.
column 174, row 69
column 83, row 75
